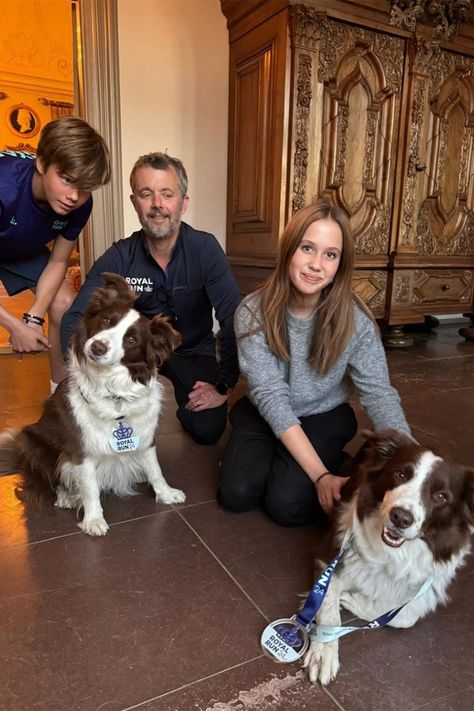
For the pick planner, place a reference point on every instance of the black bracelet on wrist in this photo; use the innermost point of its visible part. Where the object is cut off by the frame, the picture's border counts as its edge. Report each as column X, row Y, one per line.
column 321, row 476
column 37, row 320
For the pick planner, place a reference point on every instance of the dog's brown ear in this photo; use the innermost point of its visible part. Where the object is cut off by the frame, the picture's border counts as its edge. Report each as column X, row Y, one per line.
column 119, row 285
column 387, row 441
column 165, row 338
column 116, row 290
column 380, row 446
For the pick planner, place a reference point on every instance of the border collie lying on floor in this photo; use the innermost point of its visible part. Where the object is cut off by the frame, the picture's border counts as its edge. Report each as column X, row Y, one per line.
column 410, row 514
column 97, row 432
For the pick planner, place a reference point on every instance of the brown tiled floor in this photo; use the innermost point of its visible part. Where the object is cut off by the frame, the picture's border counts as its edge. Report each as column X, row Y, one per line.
column 165, row 612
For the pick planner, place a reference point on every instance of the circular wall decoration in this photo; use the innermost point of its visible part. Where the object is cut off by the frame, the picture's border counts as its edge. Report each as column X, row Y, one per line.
column 23, row 120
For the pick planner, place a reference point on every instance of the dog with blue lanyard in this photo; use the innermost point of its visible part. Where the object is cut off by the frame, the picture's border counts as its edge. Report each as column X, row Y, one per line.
column 402, row 532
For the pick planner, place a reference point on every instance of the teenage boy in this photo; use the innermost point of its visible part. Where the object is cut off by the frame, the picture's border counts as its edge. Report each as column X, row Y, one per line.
column 46, row 200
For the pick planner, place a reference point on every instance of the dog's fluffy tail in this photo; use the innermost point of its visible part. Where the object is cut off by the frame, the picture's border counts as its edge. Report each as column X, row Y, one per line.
column 10, row 459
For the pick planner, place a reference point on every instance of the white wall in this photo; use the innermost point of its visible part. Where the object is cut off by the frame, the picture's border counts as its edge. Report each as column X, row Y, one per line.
column 174, row 95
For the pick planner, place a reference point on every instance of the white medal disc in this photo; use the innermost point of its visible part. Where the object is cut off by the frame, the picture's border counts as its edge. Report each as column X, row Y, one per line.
column 285, row 640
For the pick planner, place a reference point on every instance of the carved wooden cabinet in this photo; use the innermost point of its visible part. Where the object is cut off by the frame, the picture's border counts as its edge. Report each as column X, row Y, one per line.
column 373, row 109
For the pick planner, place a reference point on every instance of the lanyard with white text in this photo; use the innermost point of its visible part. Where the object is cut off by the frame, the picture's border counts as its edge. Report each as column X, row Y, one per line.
column 326, row 633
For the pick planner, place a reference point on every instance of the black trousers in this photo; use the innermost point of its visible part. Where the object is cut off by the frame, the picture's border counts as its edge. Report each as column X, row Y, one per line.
column 258, row 470
column 205, row 427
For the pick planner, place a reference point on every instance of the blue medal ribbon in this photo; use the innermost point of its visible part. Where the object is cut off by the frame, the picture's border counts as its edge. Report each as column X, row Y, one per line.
column 326, row 633
column 287, row 639
column 318, row 592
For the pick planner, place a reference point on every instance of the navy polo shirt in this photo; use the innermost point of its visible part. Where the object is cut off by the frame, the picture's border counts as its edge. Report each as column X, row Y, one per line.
column 197, row 279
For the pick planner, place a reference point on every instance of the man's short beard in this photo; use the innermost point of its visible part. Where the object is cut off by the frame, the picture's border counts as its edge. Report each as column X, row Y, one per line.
column 160, row 233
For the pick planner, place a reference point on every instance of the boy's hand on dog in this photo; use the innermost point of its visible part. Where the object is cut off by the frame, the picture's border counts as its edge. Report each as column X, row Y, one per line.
column 328, row 490
column 28, row 338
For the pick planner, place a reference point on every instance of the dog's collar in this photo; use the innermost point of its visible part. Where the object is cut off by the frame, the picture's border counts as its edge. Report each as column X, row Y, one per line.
column 115, row 399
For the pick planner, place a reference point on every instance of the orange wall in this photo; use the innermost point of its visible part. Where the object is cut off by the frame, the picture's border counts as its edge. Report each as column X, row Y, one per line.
column 36, row 63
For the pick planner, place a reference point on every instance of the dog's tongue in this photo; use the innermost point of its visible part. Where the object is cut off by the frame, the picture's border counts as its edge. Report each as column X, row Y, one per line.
column 391, row 540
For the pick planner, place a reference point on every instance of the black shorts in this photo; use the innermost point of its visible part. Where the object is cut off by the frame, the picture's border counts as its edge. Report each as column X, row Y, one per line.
column 19, row 276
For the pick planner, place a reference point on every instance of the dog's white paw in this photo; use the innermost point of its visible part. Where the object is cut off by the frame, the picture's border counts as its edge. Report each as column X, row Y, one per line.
column 66, row 500
column 94, row 527
column 171, row 496
column 322, row 661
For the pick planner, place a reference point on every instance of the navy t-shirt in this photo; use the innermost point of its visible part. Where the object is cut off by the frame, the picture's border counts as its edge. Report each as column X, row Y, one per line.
column 24, row 227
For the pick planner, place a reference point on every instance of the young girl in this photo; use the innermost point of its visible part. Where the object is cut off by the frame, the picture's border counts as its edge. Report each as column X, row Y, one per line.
column 304, row 339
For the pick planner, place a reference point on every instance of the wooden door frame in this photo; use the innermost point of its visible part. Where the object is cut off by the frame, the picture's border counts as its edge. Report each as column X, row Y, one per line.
column 96, row 38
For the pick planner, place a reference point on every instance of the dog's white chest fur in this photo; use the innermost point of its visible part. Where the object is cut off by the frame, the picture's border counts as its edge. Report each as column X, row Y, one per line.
column 99, row 408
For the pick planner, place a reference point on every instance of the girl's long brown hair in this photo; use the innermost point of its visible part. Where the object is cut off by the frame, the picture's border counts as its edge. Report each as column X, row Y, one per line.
column 335, row 310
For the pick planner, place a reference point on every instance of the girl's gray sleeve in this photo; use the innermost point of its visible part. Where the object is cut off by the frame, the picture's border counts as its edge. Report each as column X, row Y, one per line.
column 369, row 373
column 264, row 372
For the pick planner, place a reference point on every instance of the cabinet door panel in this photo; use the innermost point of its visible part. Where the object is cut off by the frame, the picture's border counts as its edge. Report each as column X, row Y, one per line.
column 256, row 104
column 445, row 224
column 361, row 72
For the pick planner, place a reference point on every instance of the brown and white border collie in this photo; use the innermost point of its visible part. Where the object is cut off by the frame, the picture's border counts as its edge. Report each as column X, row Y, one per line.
column 410, row 514
column 97, row 432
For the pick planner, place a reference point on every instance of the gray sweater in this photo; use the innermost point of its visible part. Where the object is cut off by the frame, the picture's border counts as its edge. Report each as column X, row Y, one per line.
column 285, row 391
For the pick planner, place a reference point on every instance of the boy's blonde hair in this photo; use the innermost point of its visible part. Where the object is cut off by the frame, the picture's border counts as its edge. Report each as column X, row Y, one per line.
column 77, row 150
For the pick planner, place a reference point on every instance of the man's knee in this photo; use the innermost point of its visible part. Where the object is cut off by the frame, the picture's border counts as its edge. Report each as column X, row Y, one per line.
column 206, row 435
column 206, row 427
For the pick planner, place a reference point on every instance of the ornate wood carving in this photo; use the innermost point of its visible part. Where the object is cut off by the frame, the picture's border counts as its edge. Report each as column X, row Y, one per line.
column 403, row 288
column 462, row 243
column 371, row 287
column 305, row 27
column 303, row 103
column 438, row 189
column 445, row 218
column 437, row 286
column 444, row 15
column 414, row 161
column 379, row 122
column 362, row 72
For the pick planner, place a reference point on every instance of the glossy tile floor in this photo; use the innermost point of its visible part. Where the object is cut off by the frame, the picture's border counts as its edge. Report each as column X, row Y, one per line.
column 165, row 612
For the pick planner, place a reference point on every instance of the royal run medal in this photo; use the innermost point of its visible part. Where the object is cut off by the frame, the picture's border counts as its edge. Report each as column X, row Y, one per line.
column 285, row 640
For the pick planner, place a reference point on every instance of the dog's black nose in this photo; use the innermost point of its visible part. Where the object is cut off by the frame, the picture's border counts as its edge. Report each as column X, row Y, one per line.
column 98, row 348
column 401, row 518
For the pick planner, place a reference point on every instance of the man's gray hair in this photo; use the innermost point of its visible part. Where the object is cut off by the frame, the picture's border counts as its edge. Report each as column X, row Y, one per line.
column 162, row 161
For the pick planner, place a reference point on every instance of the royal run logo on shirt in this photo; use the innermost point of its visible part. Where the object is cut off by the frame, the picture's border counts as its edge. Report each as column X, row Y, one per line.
column 59, row 225
column 140, row 284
